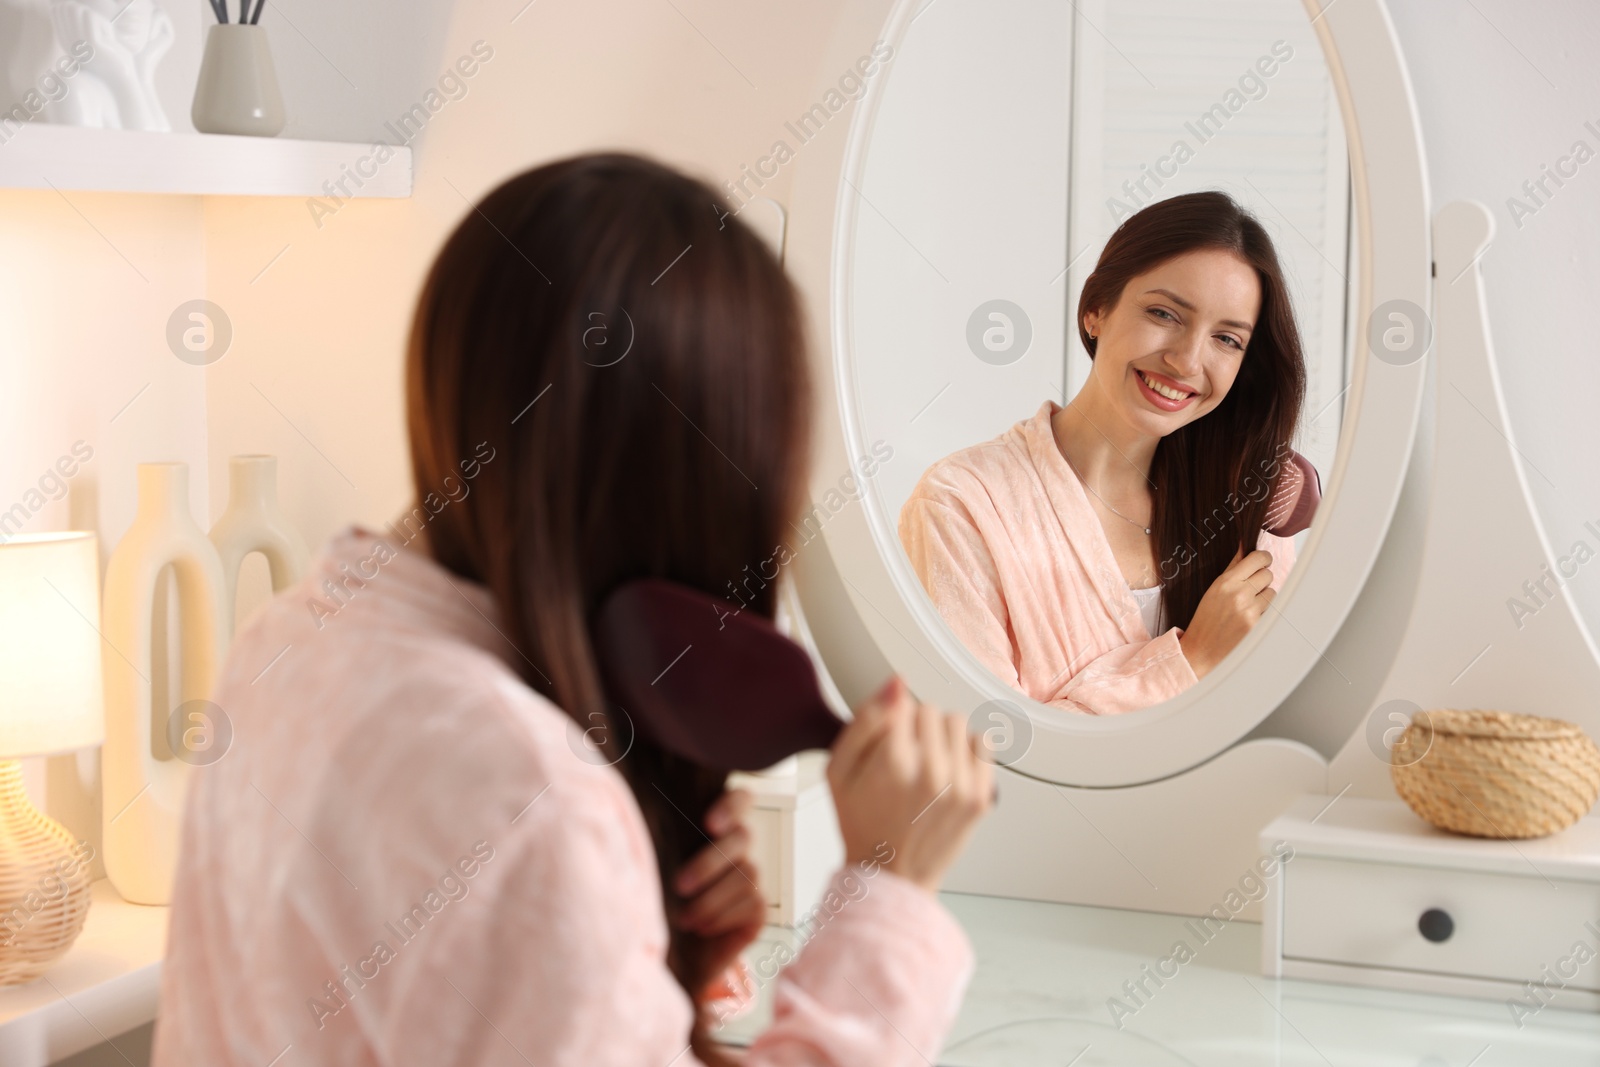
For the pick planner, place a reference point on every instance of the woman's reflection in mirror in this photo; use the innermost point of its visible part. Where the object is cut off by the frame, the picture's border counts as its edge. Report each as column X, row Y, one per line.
column 1106, row 555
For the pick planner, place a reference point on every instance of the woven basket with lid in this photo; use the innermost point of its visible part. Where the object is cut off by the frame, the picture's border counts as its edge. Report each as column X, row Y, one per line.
column 1495, row 773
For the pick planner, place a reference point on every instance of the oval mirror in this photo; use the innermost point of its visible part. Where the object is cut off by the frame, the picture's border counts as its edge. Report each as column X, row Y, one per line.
column 995, row 150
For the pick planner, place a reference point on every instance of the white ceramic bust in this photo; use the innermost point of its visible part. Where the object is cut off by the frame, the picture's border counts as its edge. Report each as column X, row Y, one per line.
column 116, row 87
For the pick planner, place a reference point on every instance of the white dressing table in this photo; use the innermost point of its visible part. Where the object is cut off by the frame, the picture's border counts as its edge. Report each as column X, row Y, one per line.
column 1046, row 971
column 898, row 220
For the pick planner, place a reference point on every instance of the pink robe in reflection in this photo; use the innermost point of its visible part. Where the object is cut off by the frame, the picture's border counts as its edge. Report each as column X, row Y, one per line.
column 1007, row 543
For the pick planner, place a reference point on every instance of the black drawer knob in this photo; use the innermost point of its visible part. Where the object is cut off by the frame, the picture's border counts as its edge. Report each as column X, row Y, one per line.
column 1436, row 925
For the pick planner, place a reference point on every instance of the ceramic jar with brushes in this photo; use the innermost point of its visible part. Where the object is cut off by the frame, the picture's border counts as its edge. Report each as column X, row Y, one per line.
column 237, row 91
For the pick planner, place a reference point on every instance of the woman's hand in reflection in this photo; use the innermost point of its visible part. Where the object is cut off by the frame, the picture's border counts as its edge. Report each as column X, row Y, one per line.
column 1228, row 610
column 721, row 899
column 909, row 778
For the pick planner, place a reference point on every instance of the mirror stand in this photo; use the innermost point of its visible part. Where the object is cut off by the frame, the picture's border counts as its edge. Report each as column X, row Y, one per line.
column 1469, row 547
column 1492, row 625
column 1177, row 845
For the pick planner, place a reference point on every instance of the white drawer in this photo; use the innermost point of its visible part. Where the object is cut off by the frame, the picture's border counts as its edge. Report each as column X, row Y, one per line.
column 767, row 852
column 1506, row 927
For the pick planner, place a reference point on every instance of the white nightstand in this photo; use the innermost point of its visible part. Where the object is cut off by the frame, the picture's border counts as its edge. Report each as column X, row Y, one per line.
column 1375, row 896
column 795, row 839
column 104, row 986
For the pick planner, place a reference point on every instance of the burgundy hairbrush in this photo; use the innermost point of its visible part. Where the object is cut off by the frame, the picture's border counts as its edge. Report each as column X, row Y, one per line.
column 707, row 681
column 1294, row 503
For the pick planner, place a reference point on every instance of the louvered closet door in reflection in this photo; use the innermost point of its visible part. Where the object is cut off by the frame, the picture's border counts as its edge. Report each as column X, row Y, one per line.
column 1172, row 96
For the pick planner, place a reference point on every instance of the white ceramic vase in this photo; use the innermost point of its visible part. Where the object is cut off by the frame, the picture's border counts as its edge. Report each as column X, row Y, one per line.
column 253, row 522
column 142, row 796
column 237, row 91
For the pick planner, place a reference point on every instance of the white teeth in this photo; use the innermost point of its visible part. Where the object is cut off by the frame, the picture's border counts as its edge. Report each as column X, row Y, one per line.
column 1170, row 394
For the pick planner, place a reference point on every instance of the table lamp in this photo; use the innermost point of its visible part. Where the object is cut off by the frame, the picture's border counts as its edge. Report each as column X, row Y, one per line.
column 50, row 702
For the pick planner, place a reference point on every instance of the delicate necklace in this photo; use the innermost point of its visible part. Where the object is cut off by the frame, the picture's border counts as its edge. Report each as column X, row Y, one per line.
column 1102, row 499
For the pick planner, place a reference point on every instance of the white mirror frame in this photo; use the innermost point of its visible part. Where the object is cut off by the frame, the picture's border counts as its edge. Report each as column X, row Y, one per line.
column 1392, row 220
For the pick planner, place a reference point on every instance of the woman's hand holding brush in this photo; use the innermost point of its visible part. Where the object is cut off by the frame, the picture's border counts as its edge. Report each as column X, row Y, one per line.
column 722, row 901
column 908, row 775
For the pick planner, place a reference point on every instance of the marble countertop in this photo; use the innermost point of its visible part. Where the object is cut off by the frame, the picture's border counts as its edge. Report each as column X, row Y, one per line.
column 1047, row 972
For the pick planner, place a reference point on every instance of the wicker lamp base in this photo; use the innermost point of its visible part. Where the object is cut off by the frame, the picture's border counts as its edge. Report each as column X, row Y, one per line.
column 44, row 884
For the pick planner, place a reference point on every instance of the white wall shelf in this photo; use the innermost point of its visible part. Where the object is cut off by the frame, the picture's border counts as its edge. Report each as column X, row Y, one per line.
column 106, row 984
column 42, row 156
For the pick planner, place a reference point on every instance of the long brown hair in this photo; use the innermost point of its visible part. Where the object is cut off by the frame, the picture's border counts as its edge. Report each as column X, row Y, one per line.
column 1211, row 478
column 636, row 356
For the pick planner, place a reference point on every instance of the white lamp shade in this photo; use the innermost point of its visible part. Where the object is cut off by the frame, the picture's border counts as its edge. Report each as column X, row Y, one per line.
column 51, row 698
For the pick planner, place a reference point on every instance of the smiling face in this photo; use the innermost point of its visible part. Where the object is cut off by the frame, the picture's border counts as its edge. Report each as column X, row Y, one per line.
column 1169, row 350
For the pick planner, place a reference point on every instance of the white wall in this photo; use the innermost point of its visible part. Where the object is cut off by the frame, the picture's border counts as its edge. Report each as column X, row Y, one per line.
column 321, row 331
column 1501, row 89
column 920, row 270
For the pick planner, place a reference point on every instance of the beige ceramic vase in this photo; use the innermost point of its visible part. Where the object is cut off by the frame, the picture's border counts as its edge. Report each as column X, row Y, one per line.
column 237, row 91
column 142, row 796
column 253, row 522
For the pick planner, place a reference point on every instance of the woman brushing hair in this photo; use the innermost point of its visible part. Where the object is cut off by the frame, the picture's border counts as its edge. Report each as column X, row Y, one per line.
column 433, row 841
column 1104, row 556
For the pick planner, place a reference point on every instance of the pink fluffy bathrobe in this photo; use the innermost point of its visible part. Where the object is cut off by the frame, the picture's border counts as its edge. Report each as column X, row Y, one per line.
column 404, row 860
column 1008, row 545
